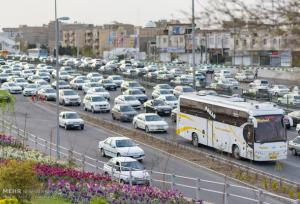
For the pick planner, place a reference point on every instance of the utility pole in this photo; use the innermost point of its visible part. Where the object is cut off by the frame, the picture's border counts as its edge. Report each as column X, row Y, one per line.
column 193, row 44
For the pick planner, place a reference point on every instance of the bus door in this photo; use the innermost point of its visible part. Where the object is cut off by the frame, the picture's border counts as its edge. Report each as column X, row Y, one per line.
column 210, row 132
column 248, row 133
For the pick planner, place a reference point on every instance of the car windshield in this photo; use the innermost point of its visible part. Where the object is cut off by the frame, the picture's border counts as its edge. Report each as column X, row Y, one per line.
column 43, row 83
column 107, row 81
column 31, row 86
column 165, row 92
column 20, row 80
column 165, row 86
column 270, row 128
column 125, row 143
column 117, row 78
column 100, row 89
column 136, row 92
column 187, row 89
column 282, row 87
column 134, row 84
column 171, row 98
column 158, row 103
column 133, row 165
column 126, row 109
column 69, row 93
column 95, row 85
column 62, row 83
column 297, row 97
column 130, row 98
column 152, row 118
column 98, row 99
column 72, row 116
column 50, row 91
column 264, row 82
column 79, row 81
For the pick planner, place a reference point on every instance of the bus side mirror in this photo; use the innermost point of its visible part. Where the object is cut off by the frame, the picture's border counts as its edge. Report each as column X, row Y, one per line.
column 253, row 121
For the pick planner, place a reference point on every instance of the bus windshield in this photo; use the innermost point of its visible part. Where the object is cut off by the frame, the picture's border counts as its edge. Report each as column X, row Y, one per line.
column 270, row 128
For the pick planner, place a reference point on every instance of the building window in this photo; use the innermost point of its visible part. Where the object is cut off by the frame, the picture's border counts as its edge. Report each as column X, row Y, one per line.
column 265, row 41
column 181, row 39
column 211, row 40
column 274, row 41
column 245, row 42
column 253, row 42
column 236, row 42
column 164, row 40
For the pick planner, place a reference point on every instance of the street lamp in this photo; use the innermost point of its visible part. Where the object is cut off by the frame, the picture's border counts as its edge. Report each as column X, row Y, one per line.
column 57, row 78
column 193, row 43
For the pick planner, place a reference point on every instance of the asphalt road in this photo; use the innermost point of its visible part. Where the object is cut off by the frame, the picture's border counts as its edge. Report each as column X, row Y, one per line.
column 40, row 121
column 291, row 166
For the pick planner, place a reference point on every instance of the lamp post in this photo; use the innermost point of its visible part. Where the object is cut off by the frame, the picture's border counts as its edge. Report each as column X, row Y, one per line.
column 57, row 78
column 193, row 43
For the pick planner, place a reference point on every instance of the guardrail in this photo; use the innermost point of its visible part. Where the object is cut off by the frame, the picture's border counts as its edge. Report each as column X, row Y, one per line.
column 163, row 180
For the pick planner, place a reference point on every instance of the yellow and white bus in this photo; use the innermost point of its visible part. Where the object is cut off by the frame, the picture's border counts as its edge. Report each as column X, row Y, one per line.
column 255, row 131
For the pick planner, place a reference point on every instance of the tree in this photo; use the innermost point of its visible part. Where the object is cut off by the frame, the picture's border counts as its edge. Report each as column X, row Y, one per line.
column 87, row 51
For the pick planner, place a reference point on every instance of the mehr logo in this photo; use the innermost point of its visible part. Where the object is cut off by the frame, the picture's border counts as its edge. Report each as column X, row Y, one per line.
column 210, row 112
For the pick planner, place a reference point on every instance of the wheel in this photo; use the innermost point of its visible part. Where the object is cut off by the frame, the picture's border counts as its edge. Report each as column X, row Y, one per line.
column 173, row 118
column 113, row 116
column 147, row 129
column 299, row 132
column 118, row 154
column 46, row 99
column 84, row 108
column 102, row 152
column 294, row 152
column 135, row 126
column 195, row 140
column 66, row 127
column 82, row 127
column 64, row 103
column 236, row 152
column 93, row 111
column 276, row 95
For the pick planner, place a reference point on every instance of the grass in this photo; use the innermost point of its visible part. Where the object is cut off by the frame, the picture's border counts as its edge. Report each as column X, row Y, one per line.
column 49, row 200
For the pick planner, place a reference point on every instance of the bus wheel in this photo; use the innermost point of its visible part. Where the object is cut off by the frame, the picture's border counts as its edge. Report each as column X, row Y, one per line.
column 195, row 140
column 236, row 152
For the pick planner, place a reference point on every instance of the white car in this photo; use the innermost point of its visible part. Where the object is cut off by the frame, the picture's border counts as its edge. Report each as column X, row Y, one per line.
column 30, row 90
column 121, row 147
column 62, row 84
column 137, row 93
column 289, row 99
column 127, row 170
column 20, row 82
column 42, row 83
column 117, row 79
column 279, row 90
column 94, row 76
column 163, row 87
column 161, row 92
column 77, row 84
column 69, row 97
column 70, row 120
column 11, row 87
column 150, row 122
column 179, row 90
column 128, row 100
column 227, row 83
column 86, row 86
column 170, row 99
column 49, row 94
column 26, row 73
column 99, row 91
column 245, row 76
column 95, row 103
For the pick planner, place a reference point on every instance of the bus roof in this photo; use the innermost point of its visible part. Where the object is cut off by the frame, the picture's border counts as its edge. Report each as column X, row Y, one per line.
column 253, row 108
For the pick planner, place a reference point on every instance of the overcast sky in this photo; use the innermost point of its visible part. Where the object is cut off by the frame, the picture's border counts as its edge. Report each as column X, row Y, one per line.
column 98, row 12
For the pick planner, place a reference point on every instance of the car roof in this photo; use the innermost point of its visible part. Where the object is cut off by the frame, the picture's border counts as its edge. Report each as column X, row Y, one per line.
column 147, row 114
column 123, row 159
column 68, row 112
column 119, row 138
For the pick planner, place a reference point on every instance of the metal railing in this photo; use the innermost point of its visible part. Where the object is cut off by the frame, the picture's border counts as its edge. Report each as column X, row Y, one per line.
column 193, row 187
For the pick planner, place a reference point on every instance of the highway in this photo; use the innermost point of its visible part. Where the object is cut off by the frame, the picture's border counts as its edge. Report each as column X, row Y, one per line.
column 40, row 120
column 291, row 166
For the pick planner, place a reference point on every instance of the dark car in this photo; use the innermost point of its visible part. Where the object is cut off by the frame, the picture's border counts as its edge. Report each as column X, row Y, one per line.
column 123, row 112
column 137, row 93
column 158, row 106
column 109, row 84
column 295, row 115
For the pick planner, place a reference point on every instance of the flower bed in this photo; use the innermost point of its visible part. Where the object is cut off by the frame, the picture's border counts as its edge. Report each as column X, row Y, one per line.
column 113, row 192
column 10, row 141
column 46, row 172
column 8, row 152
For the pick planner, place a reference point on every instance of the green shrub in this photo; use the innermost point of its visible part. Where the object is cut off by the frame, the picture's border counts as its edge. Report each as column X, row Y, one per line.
column 18, row 179
column 283, row 188
column 298, row 196
column 292, row 193
column 274, row 185
column 9, row 201
column 98, row 201
column 265, row 183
